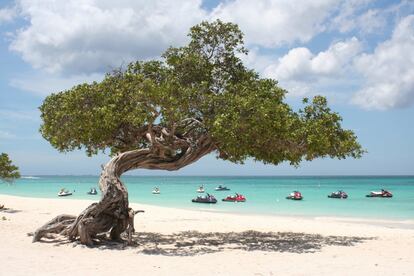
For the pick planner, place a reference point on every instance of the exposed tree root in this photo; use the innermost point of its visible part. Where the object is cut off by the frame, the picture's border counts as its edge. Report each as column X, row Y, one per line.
column 69, row 225
column 112, row 213
column 55, row 226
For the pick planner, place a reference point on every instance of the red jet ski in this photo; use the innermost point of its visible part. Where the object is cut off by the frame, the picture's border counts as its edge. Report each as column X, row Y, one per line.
column 235, row 198
column 382, row 193
column 295, row 195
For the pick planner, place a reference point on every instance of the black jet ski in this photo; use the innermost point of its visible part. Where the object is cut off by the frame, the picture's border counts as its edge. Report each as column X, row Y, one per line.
column 222, row 188
column 338, row 194
column 92, row 192
column 205, row 199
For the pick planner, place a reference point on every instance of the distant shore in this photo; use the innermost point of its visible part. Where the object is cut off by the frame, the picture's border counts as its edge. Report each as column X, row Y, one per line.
column 318, row 246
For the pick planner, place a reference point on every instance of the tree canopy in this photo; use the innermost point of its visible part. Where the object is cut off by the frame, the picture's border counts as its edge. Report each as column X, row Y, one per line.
column 198, row 91
column 8, row 171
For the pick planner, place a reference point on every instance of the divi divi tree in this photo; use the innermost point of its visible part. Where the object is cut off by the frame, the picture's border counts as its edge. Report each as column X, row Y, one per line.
column 166, row 114
column 8, row 171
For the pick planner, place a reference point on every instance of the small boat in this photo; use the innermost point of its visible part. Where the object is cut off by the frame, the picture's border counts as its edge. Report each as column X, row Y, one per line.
column 295, row 195
column 235, row 198
column 382, row 193
column 64, row 192
column 338, row 194
column 30, row 177
column 205, row 199
column 222, row 188
column 92, row 192
column 156, row 191
column 200, row 189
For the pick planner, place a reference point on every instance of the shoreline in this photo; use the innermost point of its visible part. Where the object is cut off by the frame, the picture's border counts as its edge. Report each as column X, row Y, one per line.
column 349, row 221
column 390, row 222
column 224, row 242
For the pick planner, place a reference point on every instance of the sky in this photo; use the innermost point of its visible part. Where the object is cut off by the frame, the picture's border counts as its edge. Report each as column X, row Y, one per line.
column 357, row 53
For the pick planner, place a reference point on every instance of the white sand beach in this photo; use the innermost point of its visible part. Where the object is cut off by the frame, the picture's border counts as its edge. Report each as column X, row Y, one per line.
column 302, row 247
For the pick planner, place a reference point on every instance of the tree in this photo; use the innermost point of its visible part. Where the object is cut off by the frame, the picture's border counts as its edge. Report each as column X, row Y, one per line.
column 8, row 171
column 166, row 114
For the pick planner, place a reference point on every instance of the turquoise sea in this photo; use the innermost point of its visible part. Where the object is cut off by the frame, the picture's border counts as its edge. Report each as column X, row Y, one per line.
column 265, row 195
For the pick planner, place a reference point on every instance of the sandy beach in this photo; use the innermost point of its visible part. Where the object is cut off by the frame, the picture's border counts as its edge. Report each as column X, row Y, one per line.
column 211, row 244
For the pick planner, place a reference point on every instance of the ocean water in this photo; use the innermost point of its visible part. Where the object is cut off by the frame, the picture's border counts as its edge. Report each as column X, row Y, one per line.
column 265, row 195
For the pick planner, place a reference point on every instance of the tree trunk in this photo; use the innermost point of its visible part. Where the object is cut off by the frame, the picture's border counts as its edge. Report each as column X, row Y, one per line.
column 112, row 213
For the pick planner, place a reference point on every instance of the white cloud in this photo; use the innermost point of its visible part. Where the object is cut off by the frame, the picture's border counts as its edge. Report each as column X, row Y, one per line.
column 389, row 71
column 348, row 16
column 84, row 37
column 336, row 58
column 95, row 36
column 44, row 84
column 300, row 69
column 271, row 23
column 75, row 41
column 364, row 17
column 295, row 64
column 300, row 63
column 371, row 21
column 7, row 14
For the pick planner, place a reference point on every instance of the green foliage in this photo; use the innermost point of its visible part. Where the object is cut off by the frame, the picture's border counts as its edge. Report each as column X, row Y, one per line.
column 245, row 115
column 8, row 172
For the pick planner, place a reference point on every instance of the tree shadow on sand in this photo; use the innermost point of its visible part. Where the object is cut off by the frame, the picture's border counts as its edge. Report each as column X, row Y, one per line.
column 191, row 243
column 194, row 243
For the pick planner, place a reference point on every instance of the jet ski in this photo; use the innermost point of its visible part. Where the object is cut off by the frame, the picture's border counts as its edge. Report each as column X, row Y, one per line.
column 200, row 189
column 92, row 192
column 382, row 193
column 156, row 191
column 338, row 194
column 295, row 195
column 222, row 188
column 205, row 199
column 64, row 192
column 235, row 198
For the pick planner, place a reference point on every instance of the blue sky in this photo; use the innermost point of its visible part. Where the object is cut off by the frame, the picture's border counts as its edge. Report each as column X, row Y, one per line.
column 358, row 53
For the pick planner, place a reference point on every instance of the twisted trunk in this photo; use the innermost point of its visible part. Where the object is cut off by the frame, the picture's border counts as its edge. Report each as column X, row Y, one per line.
column 112, row 213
